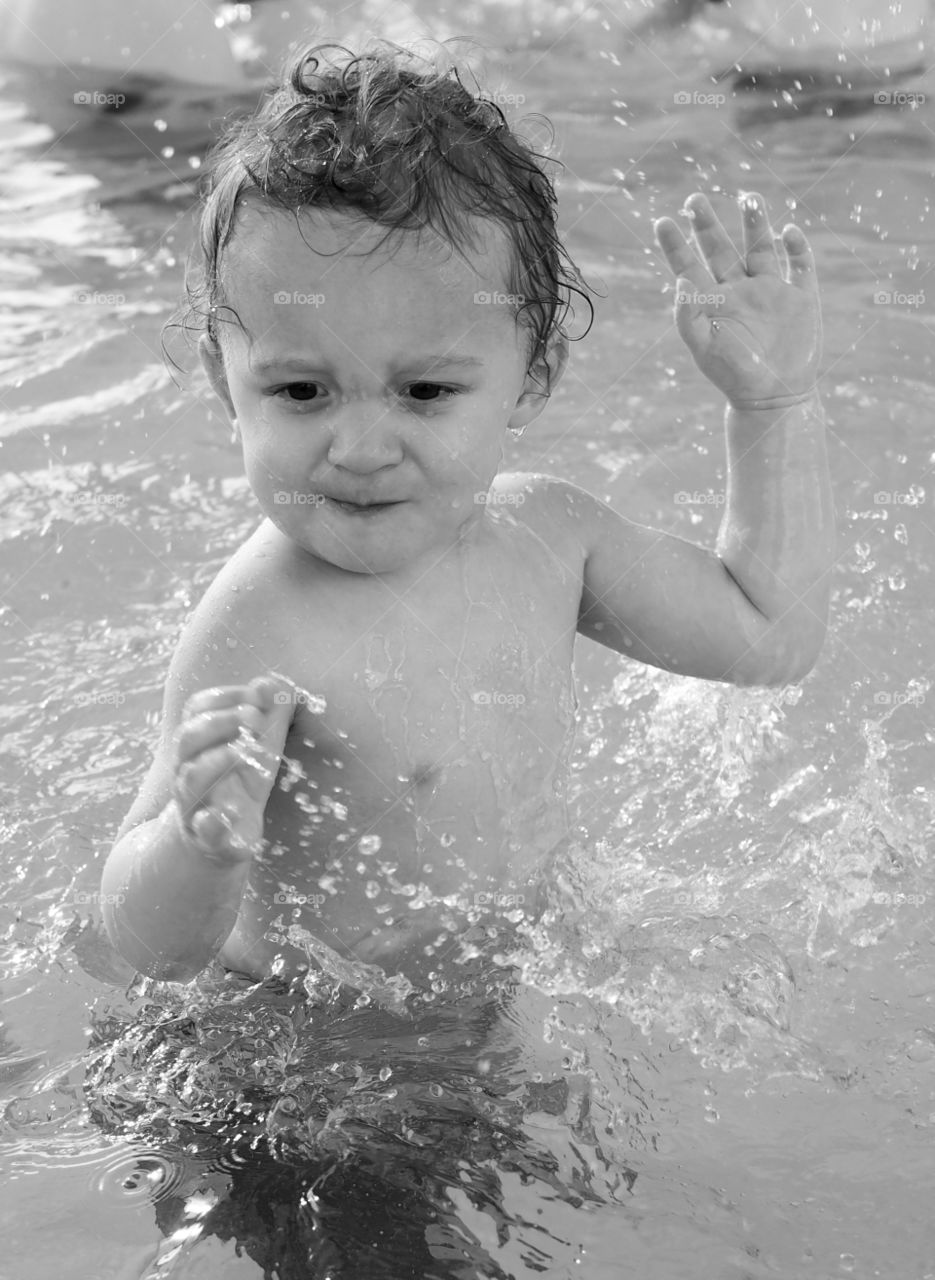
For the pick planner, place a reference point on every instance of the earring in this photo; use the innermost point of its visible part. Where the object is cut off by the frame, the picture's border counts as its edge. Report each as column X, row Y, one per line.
column 518, row 431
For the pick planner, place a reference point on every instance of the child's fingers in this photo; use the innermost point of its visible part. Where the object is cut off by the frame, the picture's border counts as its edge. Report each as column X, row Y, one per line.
column 758, row 245
column 801, row 259
column 211, row 833
column 214, row 699
column 681, row 257
column 267, row 692
column 213, row 836
column 213, row 728
column 724, row 262
column 196, row 778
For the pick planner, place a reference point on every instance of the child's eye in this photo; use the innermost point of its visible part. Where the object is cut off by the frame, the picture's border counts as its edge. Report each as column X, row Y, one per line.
column 309, row 392
column 301, row 391
column 430, row 390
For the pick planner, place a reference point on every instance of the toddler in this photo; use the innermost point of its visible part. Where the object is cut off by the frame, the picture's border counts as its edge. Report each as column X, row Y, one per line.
column 368, row 717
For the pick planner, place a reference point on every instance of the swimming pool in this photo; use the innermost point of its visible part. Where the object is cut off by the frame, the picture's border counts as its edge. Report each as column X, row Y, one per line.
column 733, row 1022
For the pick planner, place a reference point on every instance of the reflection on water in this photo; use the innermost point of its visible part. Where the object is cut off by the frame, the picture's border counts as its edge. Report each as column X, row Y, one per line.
column 713, row 1053
column 278, row 1116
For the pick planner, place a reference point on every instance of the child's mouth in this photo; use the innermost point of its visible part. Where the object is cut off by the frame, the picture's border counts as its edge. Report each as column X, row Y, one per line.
column 362, row 509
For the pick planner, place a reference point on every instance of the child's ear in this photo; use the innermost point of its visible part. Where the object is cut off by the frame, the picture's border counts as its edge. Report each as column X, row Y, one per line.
column 212, row 361
column 541, row 381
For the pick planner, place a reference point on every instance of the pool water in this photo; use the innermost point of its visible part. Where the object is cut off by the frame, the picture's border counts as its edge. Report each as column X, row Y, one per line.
column 719, row 1057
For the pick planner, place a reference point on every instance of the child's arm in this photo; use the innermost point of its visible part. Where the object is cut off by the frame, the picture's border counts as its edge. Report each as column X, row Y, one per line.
column 753, row 611
column 173, row 882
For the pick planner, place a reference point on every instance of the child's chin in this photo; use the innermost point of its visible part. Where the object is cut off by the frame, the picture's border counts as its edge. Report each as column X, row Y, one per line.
column 360, row 559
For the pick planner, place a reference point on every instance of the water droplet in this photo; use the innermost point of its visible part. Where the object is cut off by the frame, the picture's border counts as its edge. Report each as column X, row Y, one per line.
column 385, row 1073
column 900, row 533
column 369, row 844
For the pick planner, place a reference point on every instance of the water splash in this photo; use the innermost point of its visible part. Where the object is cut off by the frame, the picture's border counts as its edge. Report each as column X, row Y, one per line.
column 369, row 979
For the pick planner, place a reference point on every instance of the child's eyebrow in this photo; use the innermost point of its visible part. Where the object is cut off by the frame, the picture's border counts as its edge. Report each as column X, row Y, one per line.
column 423, row 363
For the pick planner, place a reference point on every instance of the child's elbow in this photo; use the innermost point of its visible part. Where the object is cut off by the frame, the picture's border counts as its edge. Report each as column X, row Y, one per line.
column 778, row 665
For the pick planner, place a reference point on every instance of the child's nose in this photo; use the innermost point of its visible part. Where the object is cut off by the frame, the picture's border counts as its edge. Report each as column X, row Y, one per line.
column 364, row 437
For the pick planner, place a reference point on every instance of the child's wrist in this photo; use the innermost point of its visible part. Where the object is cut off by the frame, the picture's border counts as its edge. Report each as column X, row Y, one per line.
column 768, row 403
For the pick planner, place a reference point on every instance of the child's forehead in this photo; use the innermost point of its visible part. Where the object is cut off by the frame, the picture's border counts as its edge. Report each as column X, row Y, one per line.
column 352, row 289
column 267, row 242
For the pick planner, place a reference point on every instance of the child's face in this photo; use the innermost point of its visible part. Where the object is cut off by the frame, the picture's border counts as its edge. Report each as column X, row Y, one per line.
column 366, row 376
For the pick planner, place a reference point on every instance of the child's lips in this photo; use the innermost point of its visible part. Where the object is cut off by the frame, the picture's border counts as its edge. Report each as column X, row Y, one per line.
column 361, row 508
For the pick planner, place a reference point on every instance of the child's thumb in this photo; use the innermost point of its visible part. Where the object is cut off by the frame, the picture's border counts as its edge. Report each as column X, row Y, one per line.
column 277, row 700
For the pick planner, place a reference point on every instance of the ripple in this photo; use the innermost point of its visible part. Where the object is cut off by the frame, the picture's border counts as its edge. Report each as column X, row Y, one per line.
column 138, row 1177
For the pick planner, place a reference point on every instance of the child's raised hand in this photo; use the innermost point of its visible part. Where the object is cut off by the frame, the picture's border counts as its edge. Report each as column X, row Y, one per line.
column 751, row 321
column 229, row 746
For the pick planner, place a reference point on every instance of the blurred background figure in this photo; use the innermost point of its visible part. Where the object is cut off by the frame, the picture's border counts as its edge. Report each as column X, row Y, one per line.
column 834, row 55
column 832, row 29
column 171, row 39
column 231, row 46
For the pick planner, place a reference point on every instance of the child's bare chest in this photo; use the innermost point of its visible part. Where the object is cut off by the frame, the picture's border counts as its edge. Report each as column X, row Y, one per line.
column 418, row 713
column 428, row 753
column 474, row 660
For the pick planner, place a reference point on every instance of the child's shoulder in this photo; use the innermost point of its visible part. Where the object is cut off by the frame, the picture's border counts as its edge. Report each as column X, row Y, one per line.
column 557, row 511
column 245, row 610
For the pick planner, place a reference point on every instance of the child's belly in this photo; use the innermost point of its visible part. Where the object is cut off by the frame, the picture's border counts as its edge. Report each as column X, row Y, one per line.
column 405, row 885
column 419, row 797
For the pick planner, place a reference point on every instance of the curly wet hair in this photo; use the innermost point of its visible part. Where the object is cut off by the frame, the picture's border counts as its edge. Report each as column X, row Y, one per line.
column 393, row 136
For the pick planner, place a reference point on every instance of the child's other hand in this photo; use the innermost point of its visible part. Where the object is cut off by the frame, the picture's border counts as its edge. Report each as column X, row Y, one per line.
column 229, row 747
column 752, row 321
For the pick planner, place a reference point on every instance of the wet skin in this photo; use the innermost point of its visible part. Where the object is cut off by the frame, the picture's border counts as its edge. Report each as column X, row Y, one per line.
column 433, row 604
column 436, row 629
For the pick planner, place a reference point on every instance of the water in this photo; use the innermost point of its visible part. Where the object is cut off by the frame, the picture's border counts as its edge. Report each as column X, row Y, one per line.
column 719, row 1056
